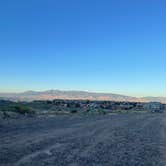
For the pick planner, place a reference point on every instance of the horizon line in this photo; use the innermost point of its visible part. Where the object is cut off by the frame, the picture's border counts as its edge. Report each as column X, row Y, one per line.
column 88, row 91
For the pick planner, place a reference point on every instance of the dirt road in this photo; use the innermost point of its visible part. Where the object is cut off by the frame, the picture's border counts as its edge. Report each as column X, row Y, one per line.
column 118, row 140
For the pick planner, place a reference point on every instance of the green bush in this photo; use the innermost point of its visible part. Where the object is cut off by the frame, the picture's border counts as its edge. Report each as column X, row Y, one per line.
column 21, row 109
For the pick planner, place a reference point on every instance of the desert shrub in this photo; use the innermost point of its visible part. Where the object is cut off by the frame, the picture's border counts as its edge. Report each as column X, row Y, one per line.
column 73, row 111
column 5, row 115
column 103, row 112
column 88, row 110
column 77, row 105
column 21, row 109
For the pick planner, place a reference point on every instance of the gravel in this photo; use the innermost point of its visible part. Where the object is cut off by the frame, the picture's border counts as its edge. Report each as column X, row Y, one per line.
column 99, row 140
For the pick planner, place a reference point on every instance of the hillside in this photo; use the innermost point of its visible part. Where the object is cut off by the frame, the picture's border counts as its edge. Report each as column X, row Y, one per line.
column 75, row 95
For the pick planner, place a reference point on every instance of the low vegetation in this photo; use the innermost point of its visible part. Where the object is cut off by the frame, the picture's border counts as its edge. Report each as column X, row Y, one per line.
column 10, row 109
column 86, row 107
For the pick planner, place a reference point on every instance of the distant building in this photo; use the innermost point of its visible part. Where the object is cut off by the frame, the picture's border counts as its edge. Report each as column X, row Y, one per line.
column 154, row 107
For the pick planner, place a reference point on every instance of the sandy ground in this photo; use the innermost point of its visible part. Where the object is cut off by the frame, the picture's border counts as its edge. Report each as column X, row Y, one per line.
column 118, row 140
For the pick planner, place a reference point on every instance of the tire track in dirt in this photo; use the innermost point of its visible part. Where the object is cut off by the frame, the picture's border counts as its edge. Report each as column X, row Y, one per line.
column 122, row 140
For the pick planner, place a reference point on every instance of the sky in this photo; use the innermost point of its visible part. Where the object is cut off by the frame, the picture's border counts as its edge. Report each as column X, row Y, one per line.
column 113, row 46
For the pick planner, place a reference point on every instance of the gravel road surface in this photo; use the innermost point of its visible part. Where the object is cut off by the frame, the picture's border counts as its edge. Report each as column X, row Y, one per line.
column 107, row 140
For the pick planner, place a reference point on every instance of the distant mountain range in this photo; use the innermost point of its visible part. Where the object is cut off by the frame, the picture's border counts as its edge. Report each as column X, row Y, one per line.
column 75, row 95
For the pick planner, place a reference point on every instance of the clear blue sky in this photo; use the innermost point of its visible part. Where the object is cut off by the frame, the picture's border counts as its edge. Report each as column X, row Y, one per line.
column 114, row 46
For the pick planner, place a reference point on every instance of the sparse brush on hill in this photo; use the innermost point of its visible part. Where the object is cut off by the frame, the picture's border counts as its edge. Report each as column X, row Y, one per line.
column 10, row 109
column 21, row 109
